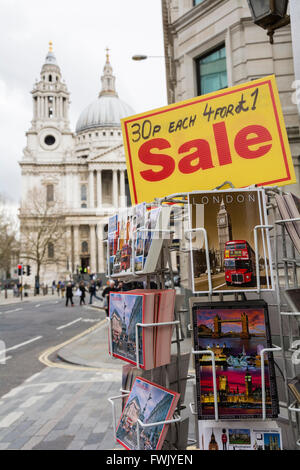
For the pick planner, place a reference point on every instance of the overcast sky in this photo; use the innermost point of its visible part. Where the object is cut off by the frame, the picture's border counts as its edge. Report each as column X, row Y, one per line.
column 80, row 32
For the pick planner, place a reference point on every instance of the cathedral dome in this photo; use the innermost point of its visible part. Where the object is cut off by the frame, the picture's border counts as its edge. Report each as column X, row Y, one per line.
column 108, row 109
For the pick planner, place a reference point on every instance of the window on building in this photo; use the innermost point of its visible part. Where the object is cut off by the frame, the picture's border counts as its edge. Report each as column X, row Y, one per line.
column 196, row 2
column 50, row 78
column 50, row 250
column 50, row 192
column 83, row 192
column 83, row 206
column 211, row 71
column 84, row 247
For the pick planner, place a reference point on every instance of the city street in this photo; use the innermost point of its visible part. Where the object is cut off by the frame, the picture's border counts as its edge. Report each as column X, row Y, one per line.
column 59, row 406
column 29, row 328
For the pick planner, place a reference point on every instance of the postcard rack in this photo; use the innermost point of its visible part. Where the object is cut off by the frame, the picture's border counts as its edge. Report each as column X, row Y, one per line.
column 287, row 264
column 286, row 270
column 164, row 268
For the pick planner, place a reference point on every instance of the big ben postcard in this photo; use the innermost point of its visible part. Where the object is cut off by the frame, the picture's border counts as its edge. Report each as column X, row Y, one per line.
column 229, row 241
column 236, row 333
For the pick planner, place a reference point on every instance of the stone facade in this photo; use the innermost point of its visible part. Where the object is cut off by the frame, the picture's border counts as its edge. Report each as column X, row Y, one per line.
column 191, row 32
column 85, row 170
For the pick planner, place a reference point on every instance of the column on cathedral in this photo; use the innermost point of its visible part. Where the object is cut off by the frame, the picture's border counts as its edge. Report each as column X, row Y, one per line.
column 91, row 189
column 101, row 260
column 41, row 106
column 115, row 188
column 54, row 107
column 122, row 189
column 44, row 107
column 99, row 188
column 69, row 249
column 76, row 247
column 93, row 253
column 60, row 107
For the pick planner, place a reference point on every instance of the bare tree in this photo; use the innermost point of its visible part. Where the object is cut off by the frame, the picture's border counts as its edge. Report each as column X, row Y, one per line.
column 9, row 245
column 42, row 229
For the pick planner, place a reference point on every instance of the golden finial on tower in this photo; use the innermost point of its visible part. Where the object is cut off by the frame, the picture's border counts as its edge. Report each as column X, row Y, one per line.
column 50, row 46
column 107, row 55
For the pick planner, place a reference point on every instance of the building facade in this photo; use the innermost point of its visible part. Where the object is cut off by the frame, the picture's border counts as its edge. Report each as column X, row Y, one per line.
column 213, row 44
column 85, row 170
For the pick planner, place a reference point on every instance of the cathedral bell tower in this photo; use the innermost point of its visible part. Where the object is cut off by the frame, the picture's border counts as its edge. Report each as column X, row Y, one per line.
column 49, row 136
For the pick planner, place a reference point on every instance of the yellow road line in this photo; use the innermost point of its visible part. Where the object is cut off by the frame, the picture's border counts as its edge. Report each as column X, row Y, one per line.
column 44, row 357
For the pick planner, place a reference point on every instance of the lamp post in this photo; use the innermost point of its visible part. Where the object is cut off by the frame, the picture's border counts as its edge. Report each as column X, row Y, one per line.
column 170, row 65
column 269, row 14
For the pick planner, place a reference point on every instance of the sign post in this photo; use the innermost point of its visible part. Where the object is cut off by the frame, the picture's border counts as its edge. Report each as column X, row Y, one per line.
column 236, row 134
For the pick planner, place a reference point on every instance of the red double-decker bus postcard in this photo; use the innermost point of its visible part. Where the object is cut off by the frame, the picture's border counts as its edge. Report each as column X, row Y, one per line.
column 229, row 243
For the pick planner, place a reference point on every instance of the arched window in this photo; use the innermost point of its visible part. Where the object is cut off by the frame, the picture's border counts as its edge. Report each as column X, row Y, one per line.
column 84, row 247
column 50, row 78
column 50, row 193
column 83, row 195
column 50, row 250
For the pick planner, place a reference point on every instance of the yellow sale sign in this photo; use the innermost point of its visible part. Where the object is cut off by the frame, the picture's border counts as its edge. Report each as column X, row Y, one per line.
column 236, row 134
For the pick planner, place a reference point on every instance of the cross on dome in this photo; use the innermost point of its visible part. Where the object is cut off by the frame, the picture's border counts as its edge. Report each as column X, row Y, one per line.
column 108, row 79
column 50, row 57
column 107, row 55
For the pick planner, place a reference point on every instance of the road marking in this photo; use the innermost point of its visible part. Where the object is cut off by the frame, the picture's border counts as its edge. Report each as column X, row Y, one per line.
column 221, row 285
column 10, row 311
column 68, row 324
column 23, row 344
column 38, row 305
column 10, row 418
column 44, row 357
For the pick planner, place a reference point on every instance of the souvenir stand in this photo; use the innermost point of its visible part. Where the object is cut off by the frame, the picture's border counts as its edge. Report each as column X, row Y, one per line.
column 242, row 297
column 287, row 263
column 163, row 269
column 284, row 263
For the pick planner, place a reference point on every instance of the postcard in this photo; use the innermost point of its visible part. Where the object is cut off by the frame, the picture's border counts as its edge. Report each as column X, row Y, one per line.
column 236, row 332
column 242, row 436
column 150, row 403
column 231, row 258
column 125, row 311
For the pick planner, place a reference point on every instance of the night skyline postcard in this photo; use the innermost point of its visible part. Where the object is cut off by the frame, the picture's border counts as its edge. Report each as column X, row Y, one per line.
column 236, row 336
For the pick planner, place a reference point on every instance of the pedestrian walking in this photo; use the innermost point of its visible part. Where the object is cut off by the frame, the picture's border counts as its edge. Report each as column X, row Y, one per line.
column 92, row 291
column 69, row 294
column 58, row 288
column 63, row 289
column 83, row 291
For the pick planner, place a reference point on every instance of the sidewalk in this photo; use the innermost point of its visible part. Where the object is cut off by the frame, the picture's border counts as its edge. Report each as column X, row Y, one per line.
column 37, row 298
column 31, row 298
column 92, row 350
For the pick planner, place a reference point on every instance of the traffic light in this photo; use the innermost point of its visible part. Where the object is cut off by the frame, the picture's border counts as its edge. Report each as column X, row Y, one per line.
column 20, row 268
column 28, row 270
